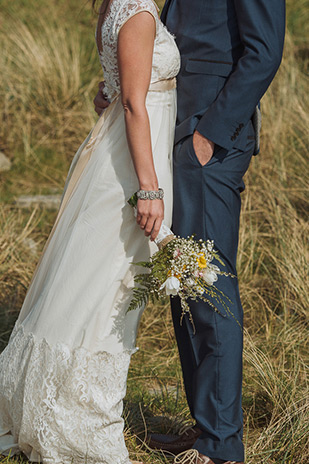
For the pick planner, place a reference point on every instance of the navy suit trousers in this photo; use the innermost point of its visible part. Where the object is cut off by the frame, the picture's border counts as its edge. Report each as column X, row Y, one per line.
column 207, row 203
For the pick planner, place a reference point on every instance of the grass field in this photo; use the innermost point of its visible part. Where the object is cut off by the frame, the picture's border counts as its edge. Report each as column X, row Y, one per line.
column 49, row 74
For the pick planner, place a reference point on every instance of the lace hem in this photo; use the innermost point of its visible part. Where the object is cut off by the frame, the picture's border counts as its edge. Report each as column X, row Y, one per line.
column 60, row 404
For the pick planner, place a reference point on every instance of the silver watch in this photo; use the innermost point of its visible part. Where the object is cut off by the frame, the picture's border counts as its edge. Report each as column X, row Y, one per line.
column 150, row 194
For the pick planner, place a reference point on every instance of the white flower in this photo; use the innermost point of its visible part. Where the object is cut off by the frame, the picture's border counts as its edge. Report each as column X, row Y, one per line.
column 176, row 253
column 190, row 282
column 210, row 274
column 200, row 290
column 171, row 285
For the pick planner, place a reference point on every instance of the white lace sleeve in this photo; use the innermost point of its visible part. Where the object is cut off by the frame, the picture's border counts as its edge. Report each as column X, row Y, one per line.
column 132, row 7
column 166, row 58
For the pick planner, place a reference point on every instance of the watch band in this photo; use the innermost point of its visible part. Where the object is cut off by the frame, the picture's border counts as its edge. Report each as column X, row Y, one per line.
column 150, row 194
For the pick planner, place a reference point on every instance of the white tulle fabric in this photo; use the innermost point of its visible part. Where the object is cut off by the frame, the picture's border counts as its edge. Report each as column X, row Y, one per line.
column 63, row 374
column 166, row 60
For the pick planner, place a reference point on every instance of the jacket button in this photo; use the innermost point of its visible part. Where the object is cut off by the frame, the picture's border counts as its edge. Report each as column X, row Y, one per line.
column 241, row 125
column 233, row 138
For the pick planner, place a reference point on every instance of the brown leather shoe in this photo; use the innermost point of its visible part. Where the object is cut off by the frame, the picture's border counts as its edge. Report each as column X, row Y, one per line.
column 174, row 444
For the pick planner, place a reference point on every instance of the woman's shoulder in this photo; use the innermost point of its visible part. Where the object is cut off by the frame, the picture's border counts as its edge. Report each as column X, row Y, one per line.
column 125, row 9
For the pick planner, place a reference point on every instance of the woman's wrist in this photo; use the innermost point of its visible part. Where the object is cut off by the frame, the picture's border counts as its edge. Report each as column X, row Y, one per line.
column 150, row 194
column 149, row 185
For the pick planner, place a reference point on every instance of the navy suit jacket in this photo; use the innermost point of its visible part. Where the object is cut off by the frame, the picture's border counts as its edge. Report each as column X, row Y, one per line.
column 230, row 51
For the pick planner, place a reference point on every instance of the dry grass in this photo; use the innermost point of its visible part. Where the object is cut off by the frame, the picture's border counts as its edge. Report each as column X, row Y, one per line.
column 45, row 91
column 49, row 76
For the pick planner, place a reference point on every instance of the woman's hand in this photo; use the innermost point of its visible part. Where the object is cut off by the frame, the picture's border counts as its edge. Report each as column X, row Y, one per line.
column 150, row 214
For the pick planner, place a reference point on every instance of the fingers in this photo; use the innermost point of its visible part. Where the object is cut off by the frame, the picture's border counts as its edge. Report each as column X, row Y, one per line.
column 203, row 147
column 104, row 103
column 156, row 229
column 98, row 110
column 146, row 223
column 149, row 224
column 99, row 101
column 143, row 221
column 101, row 85
column 150, row 216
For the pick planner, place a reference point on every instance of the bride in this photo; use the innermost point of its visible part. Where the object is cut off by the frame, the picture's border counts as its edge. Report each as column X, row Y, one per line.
column 63, row 374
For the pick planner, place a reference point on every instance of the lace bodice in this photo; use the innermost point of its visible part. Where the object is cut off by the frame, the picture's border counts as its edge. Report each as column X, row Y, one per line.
column 166, row 58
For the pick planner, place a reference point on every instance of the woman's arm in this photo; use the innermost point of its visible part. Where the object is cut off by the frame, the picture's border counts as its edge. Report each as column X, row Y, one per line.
column 135, row 50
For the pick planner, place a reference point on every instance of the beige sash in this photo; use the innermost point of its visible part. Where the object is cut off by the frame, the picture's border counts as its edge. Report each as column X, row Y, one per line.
column 163, row 86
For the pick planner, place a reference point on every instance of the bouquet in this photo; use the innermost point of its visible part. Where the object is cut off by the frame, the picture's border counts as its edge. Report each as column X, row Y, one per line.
column 181, row 267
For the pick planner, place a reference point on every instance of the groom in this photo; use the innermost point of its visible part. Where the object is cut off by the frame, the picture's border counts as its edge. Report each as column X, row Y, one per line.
column 230, row 51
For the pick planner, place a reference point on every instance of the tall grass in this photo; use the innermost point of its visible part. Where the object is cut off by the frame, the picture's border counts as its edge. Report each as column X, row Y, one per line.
column 49, row 77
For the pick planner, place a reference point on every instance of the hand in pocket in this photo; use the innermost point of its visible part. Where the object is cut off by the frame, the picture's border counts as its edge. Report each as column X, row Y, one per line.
column 203, row 148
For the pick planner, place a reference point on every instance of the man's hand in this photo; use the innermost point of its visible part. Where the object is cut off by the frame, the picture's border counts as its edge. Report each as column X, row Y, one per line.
column 203, row 148
column 100, row 102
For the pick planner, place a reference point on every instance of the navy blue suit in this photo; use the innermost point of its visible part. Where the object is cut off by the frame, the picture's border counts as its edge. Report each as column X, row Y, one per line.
column 230, row 50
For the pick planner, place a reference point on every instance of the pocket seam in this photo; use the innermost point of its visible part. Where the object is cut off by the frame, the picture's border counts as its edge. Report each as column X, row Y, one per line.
column 210, row 68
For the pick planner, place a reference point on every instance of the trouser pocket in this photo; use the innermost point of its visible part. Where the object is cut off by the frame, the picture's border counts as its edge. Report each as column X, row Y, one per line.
column 185, row 153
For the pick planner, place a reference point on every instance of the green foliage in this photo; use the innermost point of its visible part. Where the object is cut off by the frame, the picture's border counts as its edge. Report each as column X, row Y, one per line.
column 133, row 200
column 140, row 294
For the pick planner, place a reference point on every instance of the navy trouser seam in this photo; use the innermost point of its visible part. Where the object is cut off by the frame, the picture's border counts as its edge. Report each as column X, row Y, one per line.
column 217, row 377
column 204, row 217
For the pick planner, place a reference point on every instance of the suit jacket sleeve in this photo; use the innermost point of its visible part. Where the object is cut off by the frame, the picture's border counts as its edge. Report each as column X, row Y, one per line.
column 261, row 27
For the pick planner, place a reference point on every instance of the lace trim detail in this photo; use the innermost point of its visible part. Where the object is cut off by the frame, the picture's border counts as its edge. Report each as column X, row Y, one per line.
column 120, row 12
column 166, row 59
column 131, row 8
column 63, row 405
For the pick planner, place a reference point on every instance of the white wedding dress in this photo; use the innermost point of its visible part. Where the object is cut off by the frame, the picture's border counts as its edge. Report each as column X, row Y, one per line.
column 63, row 374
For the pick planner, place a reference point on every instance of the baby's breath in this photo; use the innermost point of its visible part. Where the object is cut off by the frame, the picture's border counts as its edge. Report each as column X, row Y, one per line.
column 183, row 267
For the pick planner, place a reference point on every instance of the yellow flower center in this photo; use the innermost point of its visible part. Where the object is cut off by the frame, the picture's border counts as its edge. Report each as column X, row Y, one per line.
column 202, row 261
column 175, row 274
